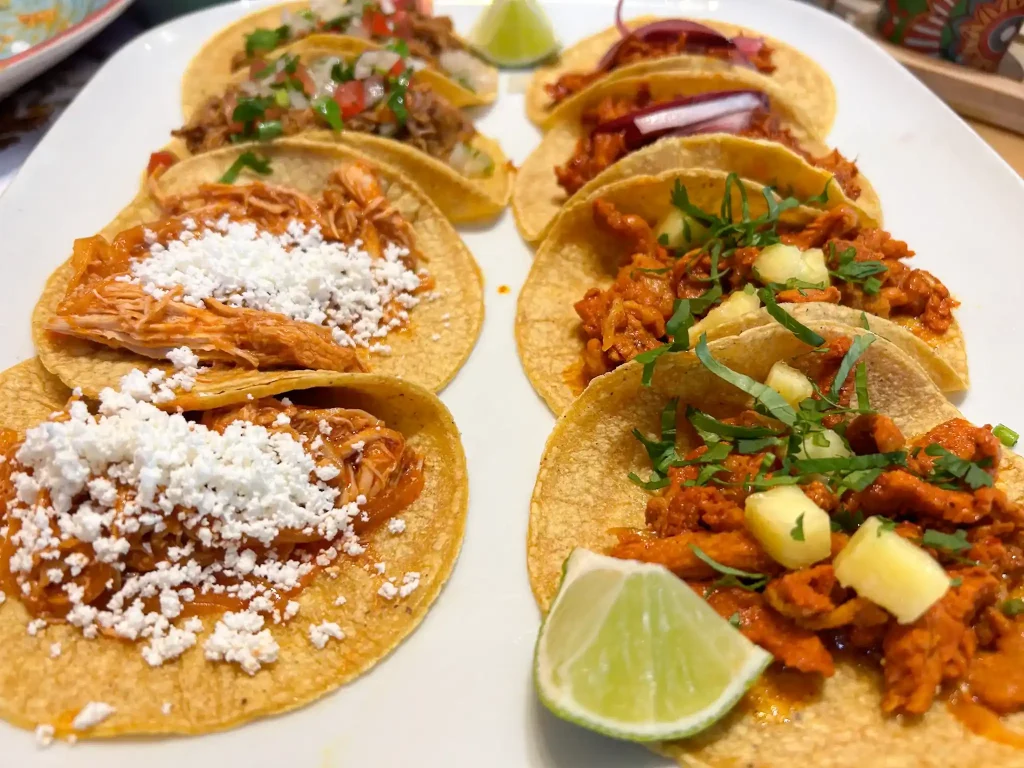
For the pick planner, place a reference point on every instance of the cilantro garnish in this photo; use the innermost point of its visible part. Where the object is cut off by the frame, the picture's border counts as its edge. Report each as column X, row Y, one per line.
column 268, row 129
column 704, row 423
column 849, row 270
column 956, row 581
column 342, row 73
column 765, row 396
column 677, row 329
column 885, row 525
column 327, row 109
column 851, row 463
column 787, row 321
column 258, row 163
column 864, row 321
column 732, row 577
column 948, row 468
column 396, row 98
column 860, row 379
column 735, row 620
column 1006, row 435
column 399, row 46
column 857, row 348
column 1012, row 607
column 948, row 542
column 845, row 520
column 797, row 534
column 260, row 40
column 251, row 108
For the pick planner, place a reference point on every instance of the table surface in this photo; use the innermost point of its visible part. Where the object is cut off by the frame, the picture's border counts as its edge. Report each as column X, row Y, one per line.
column 26, row 114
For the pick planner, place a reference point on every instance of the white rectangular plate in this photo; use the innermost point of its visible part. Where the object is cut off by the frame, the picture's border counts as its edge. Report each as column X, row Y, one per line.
column 458, row 692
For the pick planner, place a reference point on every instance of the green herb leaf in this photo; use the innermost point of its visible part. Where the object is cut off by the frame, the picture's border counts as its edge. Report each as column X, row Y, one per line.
column 851, row 463
column 860, row 379
column 251, row 108
column 1012, row 607
column 797, row 534
column 268, row 129
column 772, row 401
column 327, row 109
column 885, row 525
column 261, row 40
column 255, row 162
column 1006, row 435
column 735, row 620
column 956, row 581
column 949, row 542
column 744, row 579
column 787, row 321
column 747, row 447
column 702, row 422
column 396, row 98
column 656, row 483
column 399, row 46
column 845, row 520
column 849, row 270
column 857, row 348
column 949, row 467
column 864, row 322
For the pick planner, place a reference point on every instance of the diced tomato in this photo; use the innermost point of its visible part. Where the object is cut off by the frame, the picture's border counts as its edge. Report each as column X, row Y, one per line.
column 160, row 162
column 351, row 98
column 257, row 66
column 397, row 68
column 376, row 22
column 303, row 76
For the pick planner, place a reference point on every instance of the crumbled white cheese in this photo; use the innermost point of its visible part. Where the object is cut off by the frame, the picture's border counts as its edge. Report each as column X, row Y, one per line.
column 290, row 610
column 396, row 525
column 165, row 708
column 380, row 567
column 54, row 650
column 340, row 600
column 44, row 734
column 91, row 715
column 3, row 598
column 241, row 639
column 320, row 633
column 387, row 590
column 35, row 626
column 410, row 582
column 298, row 273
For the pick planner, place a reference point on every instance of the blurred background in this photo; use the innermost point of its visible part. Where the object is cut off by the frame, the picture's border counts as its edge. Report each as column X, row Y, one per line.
column 969, row 52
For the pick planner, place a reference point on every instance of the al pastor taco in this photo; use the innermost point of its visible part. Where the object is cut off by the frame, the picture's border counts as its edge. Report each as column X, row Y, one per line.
column 188, row 572
column 653, row 261
column 724, row 121
column 648, row 44
column 432, row 43
column 842, row 515
column 309, row 256
column 374, row 101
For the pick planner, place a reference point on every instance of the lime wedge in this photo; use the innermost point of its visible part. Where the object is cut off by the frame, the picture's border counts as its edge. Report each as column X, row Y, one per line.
column 629, row 650
column 514, row 33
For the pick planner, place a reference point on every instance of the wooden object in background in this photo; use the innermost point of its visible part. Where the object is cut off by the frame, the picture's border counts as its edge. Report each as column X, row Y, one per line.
column 1009, row 146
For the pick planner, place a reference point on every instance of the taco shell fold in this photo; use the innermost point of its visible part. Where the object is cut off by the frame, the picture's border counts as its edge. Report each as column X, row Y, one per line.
column 583, row 491
column 455, row 315
column 204, row 696
column 576, row 256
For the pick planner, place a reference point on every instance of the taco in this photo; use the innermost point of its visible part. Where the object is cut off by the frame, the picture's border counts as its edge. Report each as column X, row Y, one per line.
column 637, row 125
column 189, row 572
column 629, row 270
column 316, row 258
column 884, row 587
column 430, row 40
column 648, row 44
column 374, row 102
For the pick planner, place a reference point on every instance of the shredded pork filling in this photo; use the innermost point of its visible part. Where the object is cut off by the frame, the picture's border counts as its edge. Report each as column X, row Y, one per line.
column 804, row 616
column 252, row 275
column 596, row 151
column 131, row 522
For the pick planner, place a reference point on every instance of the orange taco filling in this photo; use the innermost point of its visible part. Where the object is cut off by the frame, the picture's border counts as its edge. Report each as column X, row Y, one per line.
column 254, row 275
column 793, row 519
column 694, row 271
column 128, row 522
column 610, row 133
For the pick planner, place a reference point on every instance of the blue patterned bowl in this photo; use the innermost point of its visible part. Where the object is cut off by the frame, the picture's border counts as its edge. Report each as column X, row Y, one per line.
column 25, row 23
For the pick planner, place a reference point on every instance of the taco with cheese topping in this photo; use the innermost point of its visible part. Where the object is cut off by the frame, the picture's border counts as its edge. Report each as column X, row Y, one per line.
column 375, row 101
column 725, row 121
column 647, row 44
column 829, row 505
column 462, row 77
column 180, row 573
column 647, row 264
column 305, row 257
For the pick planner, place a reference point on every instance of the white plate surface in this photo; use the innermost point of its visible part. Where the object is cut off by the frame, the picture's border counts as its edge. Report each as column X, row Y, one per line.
column 458, row 692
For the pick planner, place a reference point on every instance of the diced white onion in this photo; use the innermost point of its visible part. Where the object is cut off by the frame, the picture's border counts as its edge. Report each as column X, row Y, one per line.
column 373, row 90
column 299, row 25
column 375, row 61
column 320, row 71
column 469, row 161
column 297, row 99
column 468, row 69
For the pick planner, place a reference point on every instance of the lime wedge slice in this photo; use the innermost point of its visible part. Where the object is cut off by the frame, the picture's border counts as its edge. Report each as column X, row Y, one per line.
column 629, row 650
column 514, row 33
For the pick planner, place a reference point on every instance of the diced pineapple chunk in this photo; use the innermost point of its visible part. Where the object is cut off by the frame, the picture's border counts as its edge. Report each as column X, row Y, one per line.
column 777, row 517
column 735, row 306
column 790, row 383
column 826, row 444
column 890, row 571
column 673, row 229
column 779, row 263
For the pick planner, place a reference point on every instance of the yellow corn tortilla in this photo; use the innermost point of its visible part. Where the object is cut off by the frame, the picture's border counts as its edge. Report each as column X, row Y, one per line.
column 455, row 315
column 807, row 86
column 537, row 197
column 583, row 490
column 576, row 257
column 210, row 70
column 459, row 197
column 205, row 696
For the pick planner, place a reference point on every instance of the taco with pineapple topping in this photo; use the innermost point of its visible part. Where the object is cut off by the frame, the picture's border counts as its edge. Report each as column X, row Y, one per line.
column 648, row 44
column 374, row 101
column 189, row 572
column 648, row 264
column 830, row 504
column 724, row 121
column 462, row 77
column 308, row 256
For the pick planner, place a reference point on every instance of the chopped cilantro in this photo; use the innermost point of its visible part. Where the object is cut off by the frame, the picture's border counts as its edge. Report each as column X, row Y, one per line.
column 261, row 40
column 849, row 270
column 342, row 73
column 956, row 581
column 797, row 534
column 1012, row 607
column 251, row 108
column 255, row 162
column 767, row 397
column 851, row 463
column 399, row 46
column 857, row 348
column 845, row 520
column 733, row 576
column 787, row 321
column 396, row 97
column 268, row 129
column 1006, row 435
column 327, row 109
column 702, row 422
column 885, row 525
column 736, row 620
column 949, row 467
column 949, row 542
column 864, row 322
column 860, row 378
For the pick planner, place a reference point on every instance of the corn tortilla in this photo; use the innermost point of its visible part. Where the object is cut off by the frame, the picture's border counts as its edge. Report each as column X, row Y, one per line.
column 807, row 86
column 204, row 696
column 582, row 491
column 456, row 315
column 459, row 197
column 537, row 197
column 576, row 256
column 210, row 70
